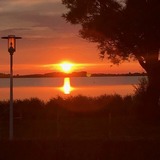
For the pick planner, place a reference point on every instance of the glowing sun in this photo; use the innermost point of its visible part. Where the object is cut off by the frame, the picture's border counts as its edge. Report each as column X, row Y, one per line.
column 66, row 67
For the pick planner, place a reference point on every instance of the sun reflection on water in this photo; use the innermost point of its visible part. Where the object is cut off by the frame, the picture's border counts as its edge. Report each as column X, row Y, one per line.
column 67, row 86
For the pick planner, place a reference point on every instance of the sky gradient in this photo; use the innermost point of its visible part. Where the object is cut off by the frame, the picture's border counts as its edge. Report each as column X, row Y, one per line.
column 48, row 40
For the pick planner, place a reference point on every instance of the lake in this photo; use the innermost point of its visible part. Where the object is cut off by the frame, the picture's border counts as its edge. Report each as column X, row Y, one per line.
column 46, row 88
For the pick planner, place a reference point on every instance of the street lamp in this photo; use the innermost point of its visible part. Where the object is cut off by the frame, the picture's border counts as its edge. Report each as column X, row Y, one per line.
column 11, row 50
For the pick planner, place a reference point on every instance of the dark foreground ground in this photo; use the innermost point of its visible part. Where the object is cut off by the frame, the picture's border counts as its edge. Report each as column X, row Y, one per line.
column 80, row 150
column 80, row 128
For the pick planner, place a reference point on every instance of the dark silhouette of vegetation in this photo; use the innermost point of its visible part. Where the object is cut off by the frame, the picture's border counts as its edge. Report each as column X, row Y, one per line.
column 73, row 74
column 80, row 127
column 123, row 30
column 140, row 92
column 79, row 117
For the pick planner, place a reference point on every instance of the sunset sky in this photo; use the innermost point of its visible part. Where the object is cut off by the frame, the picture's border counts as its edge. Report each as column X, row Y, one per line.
column 48, row 40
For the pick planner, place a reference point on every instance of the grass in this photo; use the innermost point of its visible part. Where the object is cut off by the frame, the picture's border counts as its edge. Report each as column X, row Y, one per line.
column 80, row 117
column 76, row 128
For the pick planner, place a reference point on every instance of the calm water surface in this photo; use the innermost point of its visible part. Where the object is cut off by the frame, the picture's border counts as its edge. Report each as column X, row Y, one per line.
column 46, row 88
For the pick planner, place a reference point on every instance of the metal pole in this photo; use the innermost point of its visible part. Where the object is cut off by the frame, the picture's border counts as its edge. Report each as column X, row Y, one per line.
column 11, row 98
column 11, row 50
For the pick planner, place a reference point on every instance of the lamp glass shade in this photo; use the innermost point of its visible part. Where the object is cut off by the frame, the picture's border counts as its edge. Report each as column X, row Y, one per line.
column 12, row 42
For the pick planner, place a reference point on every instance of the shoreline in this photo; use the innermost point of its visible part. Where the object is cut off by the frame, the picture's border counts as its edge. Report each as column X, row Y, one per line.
column 74, row 74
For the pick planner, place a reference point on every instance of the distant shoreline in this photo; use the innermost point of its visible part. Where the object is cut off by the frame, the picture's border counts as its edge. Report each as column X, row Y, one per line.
column 73, row 74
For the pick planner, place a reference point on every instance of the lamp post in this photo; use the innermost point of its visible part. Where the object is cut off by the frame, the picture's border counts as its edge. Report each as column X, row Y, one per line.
column 11, row 50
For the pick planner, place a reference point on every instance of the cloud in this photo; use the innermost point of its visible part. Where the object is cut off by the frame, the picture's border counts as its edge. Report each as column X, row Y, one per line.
column 46, row 37
column 33, row 16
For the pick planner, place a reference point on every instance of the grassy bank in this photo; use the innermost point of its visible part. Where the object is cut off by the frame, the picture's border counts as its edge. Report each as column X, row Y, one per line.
column 105, row 127
column 106, row 117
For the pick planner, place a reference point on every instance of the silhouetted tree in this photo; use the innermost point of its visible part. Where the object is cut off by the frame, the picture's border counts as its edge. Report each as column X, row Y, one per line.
column 123, row 29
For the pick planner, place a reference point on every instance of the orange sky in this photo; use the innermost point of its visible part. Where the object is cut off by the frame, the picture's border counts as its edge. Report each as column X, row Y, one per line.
column 48, row 39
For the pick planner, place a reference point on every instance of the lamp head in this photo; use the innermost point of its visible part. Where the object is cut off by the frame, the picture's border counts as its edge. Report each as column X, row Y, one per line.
column 11, row 43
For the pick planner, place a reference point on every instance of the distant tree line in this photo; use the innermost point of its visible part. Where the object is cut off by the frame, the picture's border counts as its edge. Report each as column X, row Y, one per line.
column 73, row 74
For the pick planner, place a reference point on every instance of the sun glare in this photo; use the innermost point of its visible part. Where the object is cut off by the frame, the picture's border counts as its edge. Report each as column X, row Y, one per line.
column 66, row 67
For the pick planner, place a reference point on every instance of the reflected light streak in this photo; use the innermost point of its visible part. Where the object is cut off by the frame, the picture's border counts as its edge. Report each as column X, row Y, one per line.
column 67, row 86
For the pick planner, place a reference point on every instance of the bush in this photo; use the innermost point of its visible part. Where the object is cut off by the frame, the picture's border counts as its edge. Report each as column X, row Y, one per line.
column 72, row 117
column 141, row 88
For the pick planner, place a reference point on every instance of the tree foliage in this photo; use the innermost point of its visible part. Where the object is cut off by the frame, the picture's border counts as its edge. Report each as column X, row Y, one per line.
column 122, row 29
